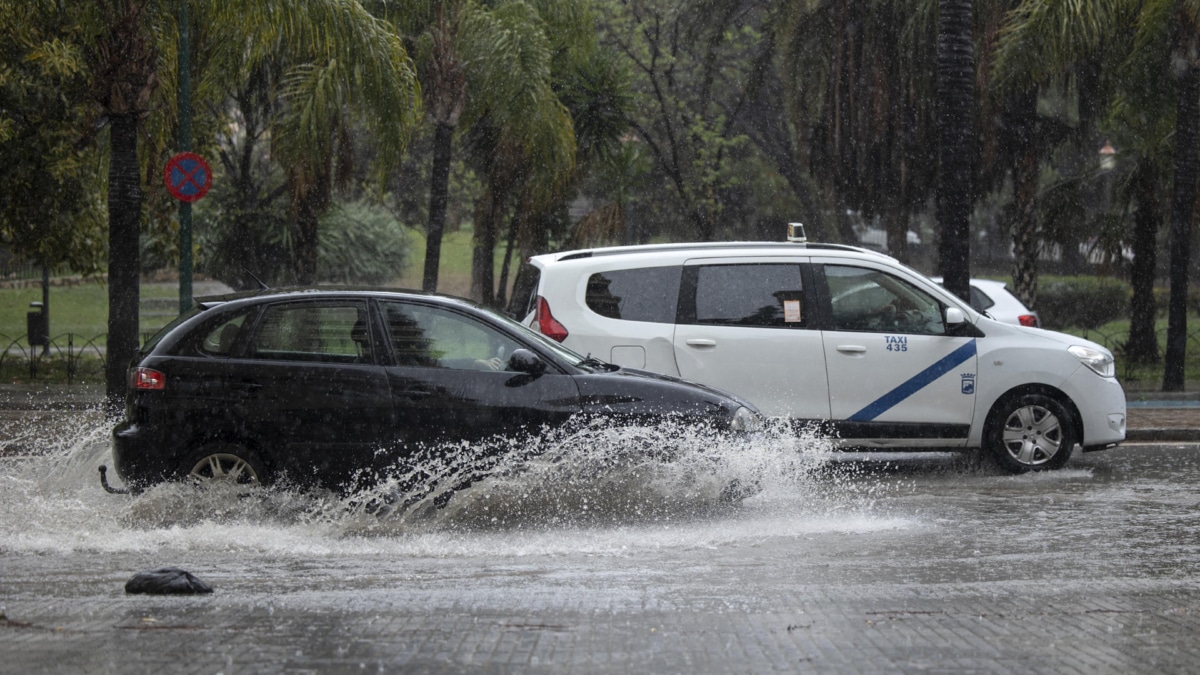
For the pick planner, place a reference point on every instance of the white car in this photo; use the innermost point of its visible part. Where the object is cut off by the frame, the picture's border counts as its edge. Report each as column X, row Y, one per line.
column 878, row 354
column 995, row 300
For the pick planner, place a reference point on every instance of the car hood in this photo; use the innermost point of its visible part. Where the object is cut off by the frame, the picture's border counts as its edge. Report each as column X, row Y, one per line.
column 626, row 384
column 994, row 327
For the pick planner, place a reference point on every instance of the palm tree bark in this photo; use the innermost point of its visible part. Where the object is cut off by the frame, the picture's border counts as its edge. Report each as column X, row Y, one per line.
column 439, row 188
column 956, row 107
column 1025, row 169
column 124, row 263
column 1187, row 119
column 1142, row 347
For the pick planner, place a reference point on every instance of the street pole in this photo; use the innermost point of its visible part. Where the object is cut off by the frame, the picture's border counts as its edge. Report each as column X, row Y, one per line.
column 185, row 145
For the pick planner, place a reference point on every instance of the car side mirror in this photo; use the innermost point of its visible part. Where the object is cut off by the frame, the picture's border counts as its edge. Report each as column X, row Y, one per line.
column 954, row 316
column 525, row 361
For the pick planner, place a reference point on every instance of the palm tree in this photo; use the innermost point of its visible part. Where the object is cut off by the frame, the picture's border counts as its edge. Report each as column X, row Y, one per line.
column 128, row 45
column 487, row 64
column 956, row 149
column 1047, row 36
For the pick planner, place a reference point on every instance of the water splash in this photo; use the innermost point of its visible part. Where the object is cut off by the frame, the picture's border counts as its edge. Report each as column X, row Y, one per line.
column 597, row 485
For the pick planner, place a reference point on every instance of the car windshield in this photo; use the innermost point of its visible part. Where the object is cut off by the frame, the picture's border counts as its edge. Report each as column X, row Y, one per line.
column 564, row 353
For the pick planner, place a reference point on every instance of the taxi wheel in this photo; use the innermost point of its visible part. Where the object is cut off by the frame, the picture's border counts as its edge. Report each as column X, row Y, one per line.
column 225, row 461
column 1030, row 432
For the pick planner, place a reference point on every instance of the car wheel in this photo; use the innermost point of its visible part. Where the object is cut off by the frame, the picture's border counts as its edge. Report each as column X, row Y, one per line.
column 1030, row 432
column 225, row 462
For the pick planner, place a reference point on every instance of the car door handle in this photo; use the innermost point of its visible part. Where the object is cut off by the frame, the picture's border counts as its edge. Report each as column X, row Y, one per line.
column 852, row 349
column 701, row 342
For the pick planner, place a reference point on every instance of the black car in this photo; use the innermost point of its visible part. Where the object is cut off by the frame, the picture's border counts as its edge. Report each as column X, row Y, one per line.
column 323, row 385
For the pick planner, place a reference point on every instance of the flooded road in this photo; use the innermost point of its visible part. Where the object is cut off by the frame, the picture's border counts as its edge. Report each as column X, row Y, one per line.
column 594, row 563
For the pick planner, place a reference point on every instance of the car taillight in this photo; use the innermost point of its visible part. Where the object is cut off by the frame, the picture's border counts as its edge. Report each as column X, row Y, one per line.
column 547, row 324
column 147, row 379
column 1028, row 320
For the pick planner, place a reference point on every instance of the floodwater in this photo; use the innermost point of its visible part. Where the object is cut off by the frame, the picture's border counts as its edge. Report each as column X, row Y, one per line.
column 603, row 493
column 597, row 525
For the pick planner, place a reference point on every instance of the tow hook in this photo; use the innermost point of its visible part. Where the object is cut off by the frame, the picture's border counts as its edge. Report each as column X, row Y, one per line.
column 108, row 488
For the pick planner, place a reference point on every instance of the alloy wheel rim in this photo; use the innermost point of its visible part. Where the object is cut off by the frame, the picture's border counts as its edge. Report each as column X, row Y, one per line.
column 224, row 466
column 1032, row 435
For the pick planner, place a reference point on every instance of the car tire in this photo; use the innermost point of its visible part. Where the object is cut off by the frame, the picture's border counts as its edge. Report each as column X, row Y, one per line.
column 1030, row 432
column 225, row 461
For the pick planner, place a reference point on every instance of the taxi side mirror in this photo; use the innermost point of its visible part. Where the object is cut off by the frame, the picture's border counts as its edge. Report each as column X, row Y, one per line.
column 954, row 316
column 525, row 361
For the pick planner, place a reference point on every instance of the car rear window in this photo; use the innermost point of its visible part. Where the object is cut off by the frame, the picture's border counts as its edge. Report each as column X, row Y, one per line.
column 644, row 294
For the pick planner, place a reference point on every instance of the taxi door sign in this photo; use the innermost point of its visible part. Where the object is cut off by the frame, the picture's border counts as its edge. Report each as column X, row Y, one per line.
column 187, row 176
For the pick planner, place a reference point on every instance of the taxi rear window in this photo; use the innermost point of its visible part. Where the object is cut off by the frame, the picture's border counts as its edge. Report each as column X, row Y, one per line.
column 648, row 294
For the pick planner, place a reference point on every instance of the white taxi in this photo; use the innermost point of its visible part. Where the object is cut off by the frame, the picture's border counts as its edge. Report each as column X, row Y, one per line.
column 874, row 352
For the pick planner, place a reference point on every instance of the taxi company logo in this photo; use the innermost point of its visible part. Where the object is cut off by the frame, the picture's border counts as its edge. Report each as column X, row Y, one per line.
column 968, row 383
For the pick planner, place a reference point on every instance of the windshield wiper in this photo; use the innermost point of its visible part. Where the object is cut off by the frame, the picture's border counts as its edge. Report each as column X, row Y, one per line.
column 590, row 361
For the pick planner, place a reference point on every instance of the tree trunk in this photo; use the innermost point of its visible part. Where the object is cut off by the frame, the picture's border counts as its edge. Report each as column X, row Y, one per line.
column 483, row 273
column 502, row 291
column 956, row 147
column 309, row 201
column 124, row 264
column 439, row 189
column 1182, row 202
column 1142, row 347
column 1025, row 169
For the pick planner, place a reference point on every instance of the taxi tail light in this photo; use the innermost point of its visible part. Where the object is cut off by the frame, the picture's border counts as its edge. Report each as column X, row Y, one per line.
column 547, row 324
column 1030, row 320
column 147, row 379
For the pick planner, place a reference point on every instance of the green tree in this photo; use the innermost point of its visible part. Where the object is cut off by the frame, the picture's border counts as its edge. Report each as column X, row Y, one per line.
column 48, row 212
column 486, row 71
column 346, row 62
column 690, row 63
column 1156, row 117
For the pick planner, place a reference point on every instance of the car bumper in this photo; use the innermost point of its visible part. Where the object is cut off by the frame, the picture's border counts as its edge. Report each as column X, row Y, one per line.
column 1101, row 405
column 139, row 457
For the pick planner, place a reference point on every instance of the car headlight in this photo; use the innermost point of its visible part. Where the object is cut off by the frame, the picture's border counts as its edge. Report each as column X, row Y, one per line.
column 745, row 419
column 1101, row 362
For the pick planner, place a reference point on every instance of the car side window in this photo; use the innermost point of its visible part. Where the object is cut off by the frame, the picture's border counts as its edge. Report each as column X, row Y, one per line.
column 761, row 294
column 431, row 337
column 645, row 294
column 221, row 340
column 314, row 331
column 868, row 300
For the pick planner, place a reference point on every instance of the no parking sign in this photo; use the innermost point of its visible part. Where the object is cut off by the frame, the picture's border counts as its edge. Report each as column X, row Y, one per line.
column 187, row 176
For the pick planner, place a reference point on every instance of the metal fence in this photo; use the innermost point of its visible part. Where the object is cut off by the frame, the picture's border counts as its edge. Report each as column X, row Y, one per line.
column 1115, row 342
column 67, row 349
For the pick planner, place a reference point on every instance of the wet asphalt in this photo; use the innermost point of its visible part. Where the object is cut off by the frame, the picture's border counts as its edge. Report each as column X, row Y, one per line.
column 872, row 564
column 905, row 564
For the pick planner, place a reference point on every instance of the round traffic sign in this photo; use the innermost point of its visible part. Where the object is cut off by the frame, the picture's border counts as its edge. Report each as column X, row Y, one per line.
column 187, row 176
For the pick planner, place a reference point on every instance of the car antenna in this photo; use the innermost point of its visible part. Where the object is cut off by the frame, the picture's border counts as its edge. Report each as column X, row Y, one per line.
column 261, row 285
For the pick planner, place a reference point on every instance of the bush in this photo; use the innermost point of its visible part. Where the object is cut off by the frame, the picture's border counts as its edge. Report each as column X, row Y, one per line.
column 1081, row 302
column 361, row 244
column 1162, row 297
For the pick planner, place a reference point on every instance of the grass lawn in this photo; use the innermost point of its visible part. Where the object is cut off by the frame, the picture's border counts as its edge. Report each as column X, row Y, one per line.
column 83, row 310
column 79, row 310
column 1114, row 334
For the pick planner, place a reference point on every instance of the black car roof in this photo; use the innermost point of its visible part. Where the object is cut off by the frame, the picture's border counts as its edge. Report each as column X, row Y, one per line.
column 294, row 292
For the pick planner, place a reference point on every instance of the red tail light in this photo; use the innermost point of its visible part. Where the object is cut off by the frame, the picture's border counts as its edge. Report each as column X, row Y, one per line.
column 147, row 379
column 1028, row 320
column 547, row 324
